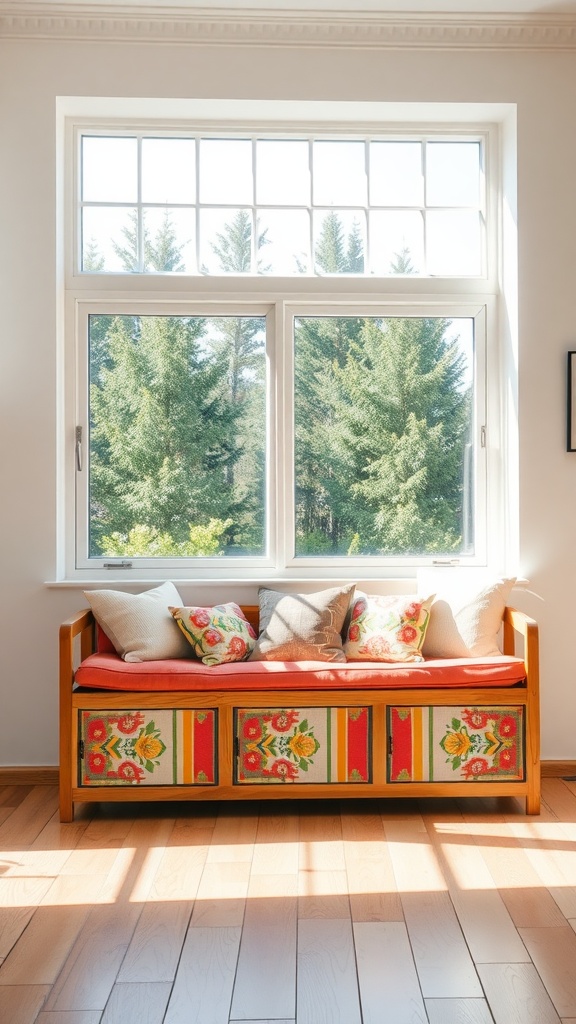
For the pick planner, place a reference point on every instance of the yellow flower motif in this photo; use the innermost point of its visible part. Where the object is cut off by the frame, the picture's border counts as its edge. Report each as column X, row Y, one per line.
column 302, row 746
column 457, row 744
column 147, row 747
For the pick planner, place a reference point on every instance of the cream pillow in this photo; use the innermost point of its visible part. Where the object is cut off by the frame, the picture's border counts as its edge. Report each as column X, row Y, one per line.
column 465, row 621
column 302, row 627
column 140, row 625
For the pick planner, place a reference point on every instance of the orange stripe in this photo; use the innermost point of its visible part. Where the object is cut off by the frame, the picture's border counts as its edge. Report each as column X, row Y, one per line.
column 341, row 752
column 187, row 746
column 417, row 744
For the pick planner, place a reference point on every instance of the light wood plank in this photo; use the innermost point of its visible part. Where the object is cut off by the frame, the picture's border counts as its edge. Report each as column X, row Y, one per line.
column 458, row 1011
column 20, row 1004
column 276, row 847
column 327, row 986
column 370, row 876
column 155, row 946
column 39, row 955
column 553, row 951
column 202, row 991
column 266, row 975
column 516, row 995
column 28, row 818
column 389, row 988
column 143, row 1002
column 72, row 1017
column 488, row 928
column 443, row 961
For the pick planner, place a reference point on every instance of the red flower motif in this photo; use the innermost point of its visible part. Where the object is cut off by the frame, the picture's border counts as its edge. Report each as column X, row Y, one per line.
column 130, row 723
column 476, row 766
column 284, row 720
column 354, row 633
column 130, row 772
column 96, row 762
column 507, row 758
column 282, row 769
column 213, row 636
column 96, row 731
column 376, row 647
column 200, row 617
column 412, row 611
column 477, row 719
column 407, row 635
column 252, row 762
column 359, row 607
column 237, row 647
column 507, row 726
column 252, row 729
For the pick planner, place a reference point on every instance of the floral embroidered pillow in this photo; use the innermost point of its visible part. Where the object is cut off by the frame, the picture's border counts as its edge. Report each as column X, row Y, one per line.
column 218, row 634
column 387, row 628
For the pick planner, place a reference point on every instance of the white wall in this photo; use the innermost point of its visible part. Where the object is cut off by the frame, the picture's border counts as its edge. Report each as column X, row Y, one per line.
column 32, row 75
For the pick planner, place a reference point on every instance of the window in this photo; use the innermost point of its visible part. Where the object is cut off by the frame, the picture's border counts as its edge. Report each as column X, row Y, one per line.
column 280, row 351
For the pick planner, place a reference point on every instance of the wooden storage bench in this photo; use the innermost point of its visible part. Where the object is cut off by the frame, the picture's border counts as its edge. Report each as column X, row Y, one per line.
column 179, row 730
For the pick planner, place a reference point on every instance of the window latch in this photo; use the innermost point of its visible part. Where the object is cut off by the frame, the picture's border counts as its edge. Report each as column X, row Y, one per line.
column 118, row 565
column 78, row 449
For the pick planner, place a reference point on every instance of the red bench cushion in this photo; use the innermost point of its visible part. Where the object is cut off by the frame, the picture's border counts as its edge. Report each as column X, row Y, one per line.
column 109, row 672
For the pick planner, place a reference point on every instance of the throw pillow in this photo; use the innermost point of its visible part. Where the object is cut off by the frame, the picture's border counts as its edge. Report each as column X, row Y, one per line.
column 140, row 625
column 302, row 627
column 388, row 628
column 218, row 634
column 465, row 621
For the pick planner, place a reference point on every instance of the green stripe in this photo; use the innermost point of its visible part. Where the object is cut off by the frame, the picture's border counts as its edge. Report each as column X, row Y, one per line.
column 430, row 744
column 174, row 747
column 329, row 743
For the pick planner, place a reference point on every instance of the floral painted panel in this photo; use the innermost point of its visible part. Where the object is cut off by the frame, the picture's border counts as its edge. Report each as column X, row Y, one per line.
column 456, row 744
column 151, row 747
column 300, row 745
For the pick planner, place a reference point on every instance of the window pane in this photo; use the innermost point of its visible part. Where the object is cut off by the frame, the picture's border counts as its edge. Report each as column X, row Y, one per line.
column 396, row 177
column 339, row 174
column 109, row 239
column 453, row 174
column 177, row 436
column 225, row 241
column 282, row 173
column 109, row 170
column 396, row 242
column 285, row 237
column 339, row 241
column 169, row 240
column 454, row 242
column 383, row 436
column 226, row 171
column 168, row 171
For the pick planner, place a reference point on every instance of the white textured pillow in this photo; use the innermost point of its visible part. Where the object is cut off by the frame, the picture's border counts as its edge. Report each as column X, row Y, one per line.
column 465, row 622
column 140, row 625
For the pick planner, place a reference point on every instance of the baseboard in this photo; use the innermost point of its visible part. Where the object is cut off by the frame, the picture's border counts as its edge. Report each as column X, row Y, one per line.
column 48, row 776
column 557, row 769
column 29, row 776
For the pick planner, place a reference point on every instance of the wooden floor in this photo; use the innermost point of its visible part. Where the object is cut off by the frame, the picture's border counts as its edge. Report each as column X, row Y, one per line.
column 373, row 912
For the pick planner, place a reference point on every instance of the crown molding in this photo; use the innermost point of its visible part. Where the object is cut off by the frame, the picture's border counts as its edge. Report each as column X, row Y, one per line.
column 226, row 27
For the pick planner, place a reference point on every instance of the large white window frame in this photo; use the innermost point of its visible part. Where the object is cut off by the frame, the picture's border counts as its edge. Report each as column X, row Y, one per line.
column 280, row 299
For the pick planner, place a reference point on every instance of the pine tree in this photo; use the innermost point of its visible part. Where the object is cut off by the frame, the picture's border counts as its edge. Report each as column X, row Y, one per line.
column 403, row 413
column 161, row 430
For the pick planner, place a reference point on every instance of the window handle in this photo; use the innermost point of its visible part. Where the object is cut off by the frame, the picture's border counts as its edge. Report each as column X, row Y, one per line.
column 78, row 449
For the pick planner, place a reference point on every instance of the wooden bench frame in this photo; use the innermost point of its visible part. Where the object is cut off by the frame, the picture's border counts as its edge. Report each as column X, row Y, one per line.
column 77, row 641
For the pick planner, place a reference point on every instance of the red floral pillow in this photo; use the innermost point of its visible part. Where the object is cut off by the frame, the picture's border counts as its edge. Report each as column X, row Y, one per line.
column 387, row 628
column 218, row 634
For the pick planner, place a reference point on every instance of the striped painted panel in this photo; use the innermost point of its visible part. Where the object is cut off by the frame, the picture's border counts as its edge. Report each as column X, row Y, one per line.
column 455, row 744
column 149, row 747
column 303, row 745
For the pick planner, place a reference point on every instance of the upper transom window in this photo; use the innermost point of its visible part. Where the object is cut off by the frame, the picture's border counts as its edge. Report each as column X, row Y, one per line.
column 190, row 203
